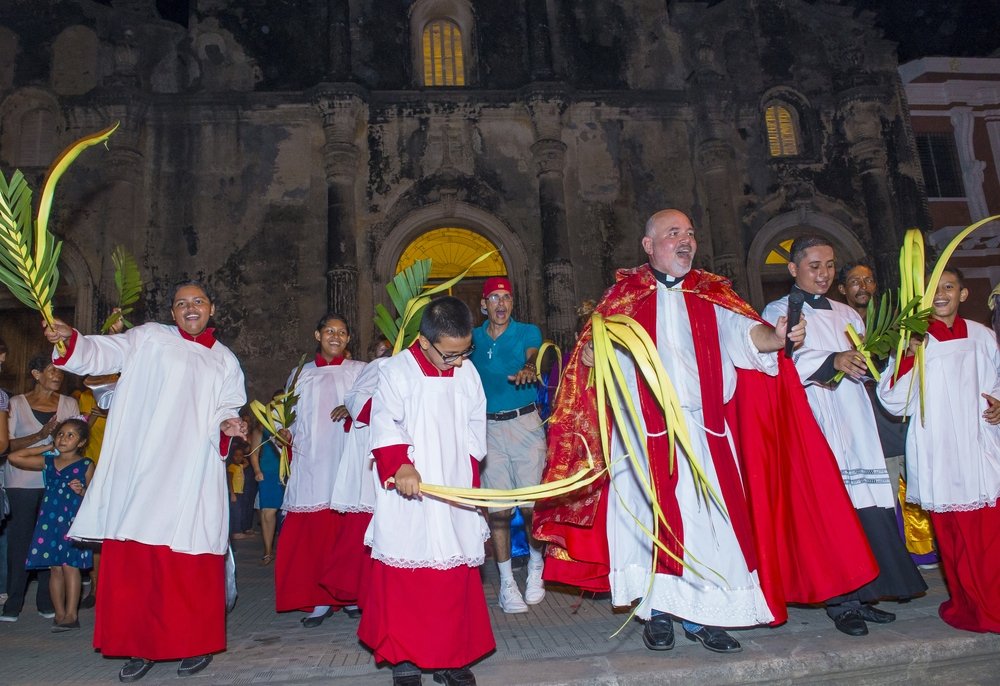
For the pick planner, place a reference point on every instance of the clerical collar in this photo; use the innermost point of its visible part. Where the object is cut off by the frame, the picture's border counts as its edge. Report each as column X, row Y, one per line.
column 205, row 338
column 814, row 300
column 426, row 366
column 321, row 361
column 666, row 279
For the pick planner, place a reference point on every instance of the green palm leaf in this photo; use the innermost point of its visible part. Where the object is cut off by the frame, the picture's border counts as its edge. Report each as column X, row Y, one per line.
column 128, row 281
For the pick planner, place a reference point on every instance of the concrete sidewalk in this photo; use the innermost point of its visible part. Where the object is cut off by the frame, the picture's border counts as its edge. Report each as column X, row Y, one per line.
column 565, row 640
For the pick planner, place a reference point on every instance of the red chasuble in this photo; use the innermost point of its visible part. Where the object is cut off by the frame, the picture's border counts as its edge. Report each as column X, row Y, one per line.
column 789, row 508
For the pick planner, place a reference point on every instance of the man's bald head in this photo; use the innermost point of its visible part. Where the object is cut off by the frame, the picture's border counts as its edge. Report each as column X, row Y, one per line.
column 670, row 242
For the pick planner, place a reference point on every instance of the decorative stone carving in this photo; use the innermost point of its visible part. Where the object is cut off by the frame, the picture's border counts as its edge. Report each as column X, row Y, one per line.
column 549, row 156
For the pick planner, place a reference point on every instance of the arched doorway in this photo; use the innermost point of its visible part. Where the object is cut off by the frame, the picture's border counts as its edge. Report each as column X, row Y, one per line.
column 528, row 291
column 451, row 250
column 767, row 258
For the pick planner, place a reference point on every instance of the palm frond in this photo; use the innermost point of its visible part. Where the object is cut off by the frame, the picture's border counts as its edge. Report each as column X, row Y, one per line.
column 29, row 253
column 128, row 282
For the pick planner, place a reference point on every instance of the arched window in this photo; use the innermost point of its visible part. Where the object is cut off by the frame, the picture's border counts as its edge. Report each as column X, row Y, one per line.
column 451, row 251
column 782, row 130
column 444, row 56
column 36, row 141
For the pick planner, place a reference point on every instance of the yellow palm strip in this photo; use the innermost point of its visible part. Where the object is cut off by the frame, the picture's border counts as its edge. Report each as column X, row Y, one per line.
column 418, row 303
column 552, row 393
column 860, row 346
column 633, row 337
column 647, row 360
column 267, row 415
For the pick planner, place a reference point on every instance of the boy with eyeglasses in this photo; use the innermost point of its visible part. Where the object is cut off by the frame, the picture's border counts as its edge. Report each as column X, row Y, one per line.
column 425, row 608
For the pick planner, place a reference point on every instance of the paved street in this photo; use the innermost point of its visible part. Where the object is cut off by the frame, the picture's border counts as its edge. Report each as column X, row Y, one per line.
column 565, row 640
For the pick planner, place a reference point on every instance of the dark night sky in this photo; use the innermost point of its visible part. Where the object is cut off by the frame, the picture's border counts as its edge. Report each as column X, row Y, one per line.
column 922, row 28
column 926, row 28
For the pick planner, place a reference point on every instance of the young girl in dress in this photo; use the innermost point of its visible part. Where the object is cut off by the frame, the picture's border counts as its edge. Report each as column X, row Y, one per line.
column 67, row 473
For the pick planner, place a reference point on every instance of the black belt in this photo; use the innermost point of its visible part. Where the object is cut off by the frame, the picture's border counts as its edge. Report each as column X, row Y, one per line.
column 510, row 414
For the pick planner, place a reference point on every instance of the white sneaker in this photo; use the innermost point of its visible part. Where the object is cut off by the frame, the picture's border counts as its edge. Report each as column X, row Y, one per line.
column 8, row 618
column 534, row 590
column 511, row 601
column 47, row 615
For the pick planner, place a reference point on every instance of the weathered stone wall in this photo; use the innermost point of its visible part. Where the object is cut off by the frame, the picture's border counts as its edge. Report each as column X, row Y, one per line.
column 284, row 152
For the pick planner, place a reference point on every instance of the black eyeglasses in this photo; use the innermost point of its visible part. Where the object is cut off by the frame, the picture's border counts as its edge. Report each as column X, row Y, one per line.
column 451, row 357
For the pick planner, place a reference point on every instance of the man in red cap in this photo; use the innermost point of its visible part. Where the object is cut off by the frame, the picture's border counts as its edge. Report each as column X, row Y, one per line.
column 504, row 355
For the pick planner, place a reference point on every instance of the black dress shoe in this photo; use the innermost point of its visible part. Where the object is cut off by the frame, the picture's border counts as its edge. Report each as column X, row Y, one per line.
column 88, row 602
column 658, row 634
column 455, row 677
column 870, row 613
column 406, row 674
column 715, row 639
column 313, row 622
column 193, row 665
column 851, row 623
column 135, row 669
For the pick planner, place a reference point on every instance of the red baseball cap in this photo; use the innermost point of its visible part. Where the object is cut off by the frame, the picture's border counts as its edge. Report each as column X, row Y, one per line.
column 497, row 283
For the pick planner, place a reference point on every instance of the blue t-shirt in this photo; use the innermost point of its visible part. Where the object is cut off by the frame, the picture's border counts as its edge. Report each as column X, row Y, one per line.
column 495, row 360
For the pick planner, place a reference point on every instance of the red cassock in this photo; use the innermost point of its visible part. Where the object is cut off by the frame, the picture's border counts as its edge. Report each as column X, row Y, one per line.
column 305, row 553
column 159, row 604
column 787, row 502
column 969, row 545
column 435, row 618
column 349, row 559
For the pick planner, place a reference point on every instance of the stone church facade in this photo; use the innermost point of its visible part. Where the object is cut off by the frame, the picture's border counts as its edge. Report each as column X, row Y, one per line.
column 289, row 152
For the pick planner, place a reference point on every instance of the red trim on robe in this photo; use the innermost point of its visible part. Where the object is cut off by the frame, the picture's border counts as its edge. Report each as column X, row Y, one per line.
column 70, row 347
column 304, row 554
column 349, row 559
column 322, row 361
column 159, row 604
column 476, row 482
column 205, row 338
column 364, row 417
column 389, row 458
column 426, row 366
column 436, row 619
column 939, row 330
column 942, row 332
column 801, row 516
column 970, row 556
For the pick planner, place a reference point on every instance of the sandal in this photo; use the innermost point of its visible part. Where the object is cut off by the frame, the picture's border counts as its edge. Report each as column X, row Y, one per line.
column 266, row 560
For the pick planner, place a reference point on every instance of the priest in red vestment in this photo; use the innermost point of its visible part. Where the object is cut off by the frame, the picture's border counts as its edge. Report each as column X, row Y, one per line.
column 785, row 530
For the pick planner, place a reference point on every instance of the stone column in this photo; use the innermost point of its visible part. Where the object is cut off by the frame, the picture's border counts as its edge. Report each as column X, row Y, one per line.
column 340, row 156
column 715, row 159
column 863, row 111
column 963, row 122
column 339, row 40
column 549, row 155
column 539, row 41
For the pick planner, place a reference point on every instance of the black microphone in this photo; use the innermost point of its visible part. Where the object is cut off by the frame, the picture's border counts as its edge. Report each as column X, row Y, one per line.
column 795, row 301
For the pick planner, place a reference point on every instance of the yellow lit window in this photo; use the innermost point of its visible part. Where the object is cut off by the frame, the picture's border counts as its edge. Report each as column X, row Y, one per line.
column 781, row 253
column 782, row 138
column 444, row 63
column 452, row 250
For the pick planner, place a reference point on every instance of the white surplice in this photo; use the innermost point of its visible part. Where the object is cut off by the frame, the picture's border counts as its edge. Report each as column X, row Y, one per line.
column 443, row 421
column 843, row 411
column 727, row 594
column 161, row 479
column 353, row 486
column 318, row 442
column 953, row 455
